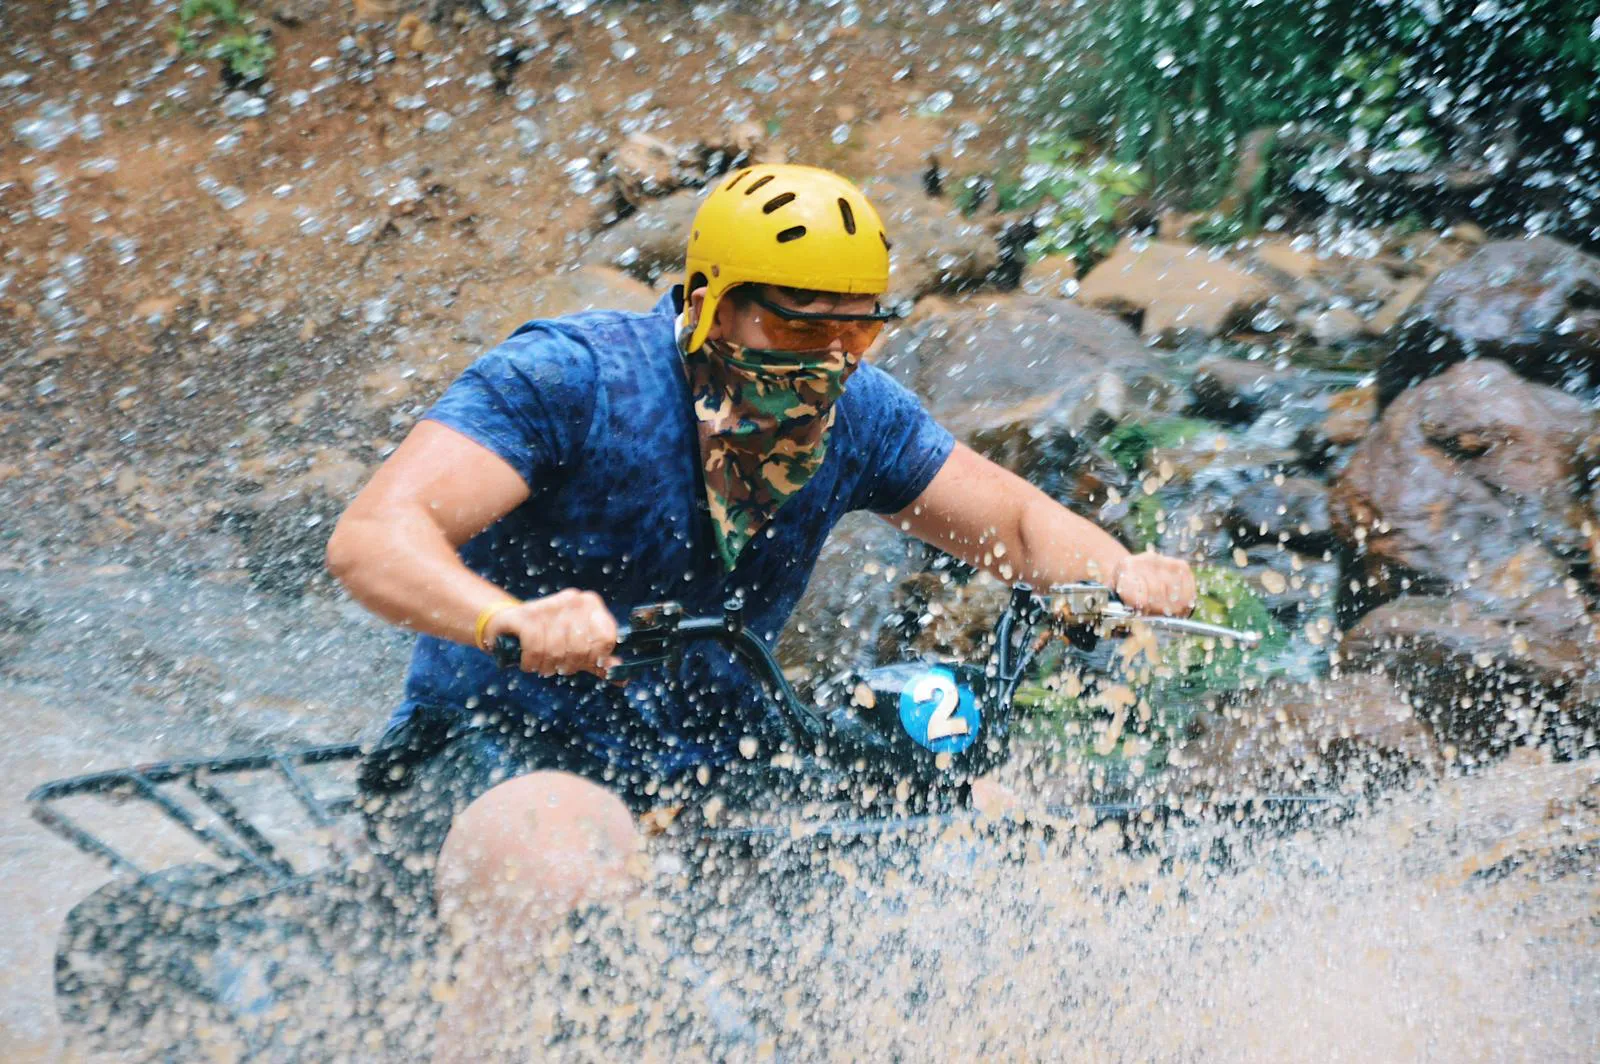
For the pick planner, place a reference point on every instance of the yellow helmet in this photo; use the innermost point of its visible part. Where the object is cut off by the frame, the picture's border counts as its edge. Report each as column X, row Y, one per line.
column 781, row 224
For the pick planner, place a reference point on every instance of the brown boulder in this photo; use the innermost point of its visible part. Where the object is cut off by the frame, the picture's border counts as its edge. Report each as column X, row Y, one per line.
column 1238, row 389
column 1470, row 484
column 1485, row 677
column 1349, row 416
column 1534, row 304
column 851, row 593
column 1468, row 480
column 1351, row 728
column 1290, row 510
column 642, row 167
column 1177, row 291
column 1021, row 377
column 933, row 248
column 650, row 242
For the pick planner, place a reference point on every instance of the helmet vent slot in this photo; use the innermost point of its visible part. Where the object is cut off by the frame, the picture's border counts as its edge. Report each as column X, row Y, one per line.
column 885, row 239
column 848, row 215
column 738, row 177
column 757, row 184
column 777, row 201
column 794, row 232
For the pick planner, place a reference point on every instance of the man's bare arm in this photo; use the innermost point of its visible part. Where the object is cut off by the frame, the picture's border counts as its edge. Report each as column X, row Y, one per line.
column 395, row 547
column 991, row 518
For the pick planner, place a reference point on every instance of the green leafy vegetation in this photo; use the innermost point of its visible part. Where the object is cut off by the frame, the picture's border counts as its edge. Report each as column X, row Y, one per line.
column 1080, row 195
column 1124, row 725
column 245, row 55
column 1179, row 87
column 1075, row 196
column 1131, row 442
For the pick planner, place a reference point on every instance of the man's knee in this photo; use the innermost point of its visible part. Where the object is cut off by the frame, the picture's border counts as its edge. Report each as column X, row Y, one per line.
column 547, row 841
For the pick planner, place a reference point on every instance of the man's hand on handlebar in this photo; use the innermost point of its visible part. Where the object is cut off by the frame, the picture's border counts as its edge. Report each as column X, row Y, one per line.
column 1155, row 584
column 562, row 634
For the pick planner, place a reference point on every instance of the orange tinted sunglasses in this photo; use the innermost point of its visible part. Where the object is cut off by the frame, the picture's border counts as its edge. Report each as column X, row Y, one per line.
column 796, row 330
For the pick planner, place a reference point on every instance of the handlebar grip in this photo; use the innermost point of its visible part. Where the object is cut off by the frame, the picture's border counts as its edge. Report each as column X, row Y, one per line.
column 507, row 651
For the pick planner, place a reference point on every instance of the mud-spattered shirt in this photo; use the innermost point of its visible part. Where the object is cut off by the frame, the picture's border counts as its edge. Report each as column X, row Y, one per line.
column 593, row 411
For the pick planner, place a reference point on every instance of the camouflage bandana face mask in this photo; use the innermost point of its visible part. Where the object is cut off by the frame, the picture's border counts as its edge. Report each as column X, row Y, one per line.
column 763, row 418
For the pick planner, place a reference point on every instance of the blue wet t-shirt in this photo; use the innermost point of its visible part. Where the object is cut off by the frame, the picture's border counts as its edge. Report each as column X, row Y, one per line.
column 593, row 411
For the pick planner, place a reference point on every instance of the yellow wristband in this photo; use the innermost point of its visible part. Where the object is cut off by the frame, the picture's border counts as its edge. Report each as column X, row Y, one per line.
column 488, row 614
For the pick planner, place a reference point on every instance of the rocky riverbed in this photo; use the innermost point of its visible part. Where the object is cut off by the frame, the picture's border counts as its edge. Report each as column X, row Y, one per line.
column 217, row 316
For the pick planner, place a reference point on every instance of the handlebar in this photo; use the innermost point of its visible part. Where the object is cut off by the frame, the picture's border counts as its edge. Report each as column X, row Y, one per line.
column 659, row 632
column 1081, row 613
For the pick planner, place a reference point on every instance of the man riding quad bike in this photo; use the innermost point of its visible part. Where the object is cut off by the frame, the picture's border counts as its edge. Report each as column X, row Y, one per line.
column 593, row 464
column 602, row 461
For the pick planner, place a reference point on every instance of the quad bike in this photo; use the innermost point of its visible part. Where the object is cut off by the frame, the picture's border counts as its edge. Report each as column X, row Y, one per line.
column 243, row 941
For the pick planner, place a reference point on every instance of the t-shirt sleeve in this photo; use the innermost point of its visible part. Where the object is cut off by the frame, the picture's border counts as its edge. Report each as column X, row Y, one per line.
column 905, row 446
column 529, row 400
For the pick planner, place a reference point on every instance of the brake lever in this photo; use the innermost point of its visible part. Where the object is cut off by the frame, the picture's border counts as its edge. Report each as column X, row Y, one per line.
column 1085, row 611
column 1120, row 619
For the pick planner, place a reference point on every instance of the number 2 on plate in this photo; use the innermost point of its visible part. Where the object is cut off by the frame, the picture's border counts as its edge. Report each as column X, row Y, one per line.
column 944, row 722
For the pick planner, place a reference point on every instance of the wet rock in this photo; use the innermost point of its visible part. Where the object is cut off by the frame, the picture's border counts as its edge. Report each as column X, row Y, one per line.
column 851, row 593
column 1053, row 275
column 1337, row 326
column 1354, row 728
column 650, row 242
column 1022, row 376
column 1190, row 525
column 19, row 622
column 1219, row 459
column 642, row 167
column 1176, row 291
column 1298, row 589
column 1467, row 481
column 1485, row 675
column 1395, row 307
column 1350, row 416
column 1533, row 304
column 933, row 248
column 1288, row 259
column 1238, row 390
column 1293, row 511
